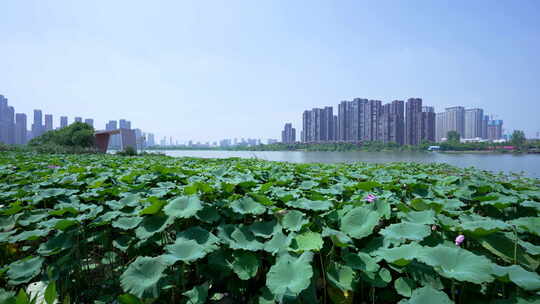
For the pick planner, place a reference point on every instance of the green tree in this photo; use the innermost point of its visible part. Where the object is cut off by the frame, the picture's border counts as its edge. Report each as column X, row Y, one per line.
column 77, row 134
column 453, row 136
column 518, row 138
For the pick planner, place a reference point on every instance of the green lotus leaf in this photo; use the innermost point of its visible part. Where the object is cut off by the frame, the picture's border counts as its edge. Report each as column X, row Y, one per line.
column 359, row 222
column 184, row 250
column 501, row 202
column 29, row 235
column 245, row 264
column 401, row 255
column 290, row 275
column 458, row 263
column 531, row 204
column 339, row 238
column 307, row 204
column 426, row 217
column 183, row 207
column 404, row 286
column 201, row 236
column 65, row 224
column 122, row 243
column 279, row 242
column 521, row 277
column 361, row 261
column 239, row 238
column 129, row 200
column 247, row 205
column 530, row 224
column 63, row 211
column 151, row 225
column 484, row 227
column 504, row 246
column 108, row 216
column 24, row 270
column 61, row 241
column 35, row 217
column 142, row 276
column 265, row 229
column 197, row 295
column 307, row 184
column 155, row 206
column 127, row 222
column 293, row 220
column 307, row 241
column 399, row 233
column 341, row 276
column 209, row 214
column 4, row 236
column 427, row 295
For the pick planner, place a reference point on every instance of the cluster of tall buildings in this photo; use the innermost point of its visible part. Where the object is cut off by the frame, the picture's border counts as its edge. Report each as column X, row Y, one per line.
column 402, row 122
column 361, row 120
column 288, row 135
column 471, row 124
column 14, row 128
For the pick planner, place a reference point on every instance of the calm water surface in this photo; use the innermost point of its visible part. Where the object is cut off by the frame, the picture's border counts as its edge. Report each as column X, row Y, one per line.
column 529, row 164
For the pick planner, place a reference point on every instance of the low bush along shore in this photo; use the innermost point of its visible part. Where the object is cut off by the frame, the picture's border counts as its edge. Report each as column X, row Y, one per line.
column 104, row 228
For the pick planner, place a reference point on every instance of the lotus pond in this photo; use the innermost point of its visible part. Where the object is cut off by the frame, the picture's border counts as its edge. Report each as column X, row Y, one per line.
column 110, row 229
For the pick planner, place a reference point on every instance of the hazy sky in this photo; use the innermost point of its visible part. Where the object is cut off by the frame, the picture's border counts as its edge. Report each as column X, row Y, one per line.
column 207, row 70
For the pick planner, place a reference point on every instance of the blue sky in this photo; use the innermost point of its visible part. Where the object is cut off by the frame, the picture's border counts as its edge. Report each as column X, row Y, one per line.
column 207, row 70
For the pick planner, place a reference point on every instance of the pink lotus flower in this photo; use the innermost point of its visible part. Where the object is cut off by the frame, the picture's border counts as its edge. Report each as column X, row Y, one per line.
column 53, row 167
column 459, row 239
column 370, row 198
column 433, row 228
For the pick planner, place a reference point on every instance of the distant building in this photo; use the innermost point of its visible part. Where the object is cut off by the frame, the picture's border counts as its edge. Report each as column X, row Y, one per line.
column 288, row 135
column 426, row 125
column 495, row 130
column 48, row 122
column 455, row 120
column 485, row 122
column 63, row 121
column 474, row 121
column 413, row 117
column 89, row 121
column 151, row 140
column 440, row 126
column 78, row 119
column 114, row 140
column 20, row 129
column 392, row 123
column 4, row 120
column 126, row 124
column 37, row 126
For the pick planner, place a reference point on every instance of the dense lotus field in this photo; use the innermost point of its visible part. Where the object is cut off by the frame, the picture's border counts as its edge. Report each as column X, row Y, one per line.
column 110, row 229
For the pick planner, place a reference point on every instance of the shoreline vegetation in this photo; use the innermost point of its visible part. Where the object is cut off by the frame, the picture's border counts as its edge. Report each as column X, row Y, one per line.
column 532, row 146
column 186, row 230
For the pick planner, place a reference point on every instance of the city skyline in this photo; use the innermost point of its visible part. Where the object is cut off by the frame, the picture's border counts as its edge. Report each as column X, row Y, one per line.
column 259, row 61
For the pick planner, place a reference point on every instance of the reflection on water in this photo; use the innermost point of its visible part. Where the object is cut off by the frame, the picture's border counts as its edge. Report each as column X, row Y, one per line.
column 529, row 164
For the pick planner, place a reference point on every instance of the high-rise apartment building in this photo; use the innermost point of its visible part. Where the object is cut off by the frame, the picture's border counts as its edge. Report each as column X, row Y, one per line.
column 495, row 131
column 392, row 123
column 440, row 126
column 474, row 121
column 426, row 125
column 485, row 121
column 370, row 125
column 343, row 124
column 413, row 115
column 48, row 122
column 114, row 141
column 327, row 124
column 4, row 120
column 288, row 135
column 89, row 121
column 151, row 140
column 63, row 121
column 455, row 120
column 37, row 126
column 20, row 129
column 125, row 124
column 78, row 119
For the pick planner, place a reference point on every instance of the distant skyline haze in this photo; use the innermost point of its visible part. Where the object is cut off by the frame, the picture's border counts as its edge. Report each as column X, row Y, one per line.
column 204, row 71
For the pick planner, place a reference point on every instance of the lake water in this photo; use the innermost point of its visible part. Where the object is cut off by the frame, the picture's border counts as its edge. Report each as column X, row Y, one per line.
column 529, row 164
